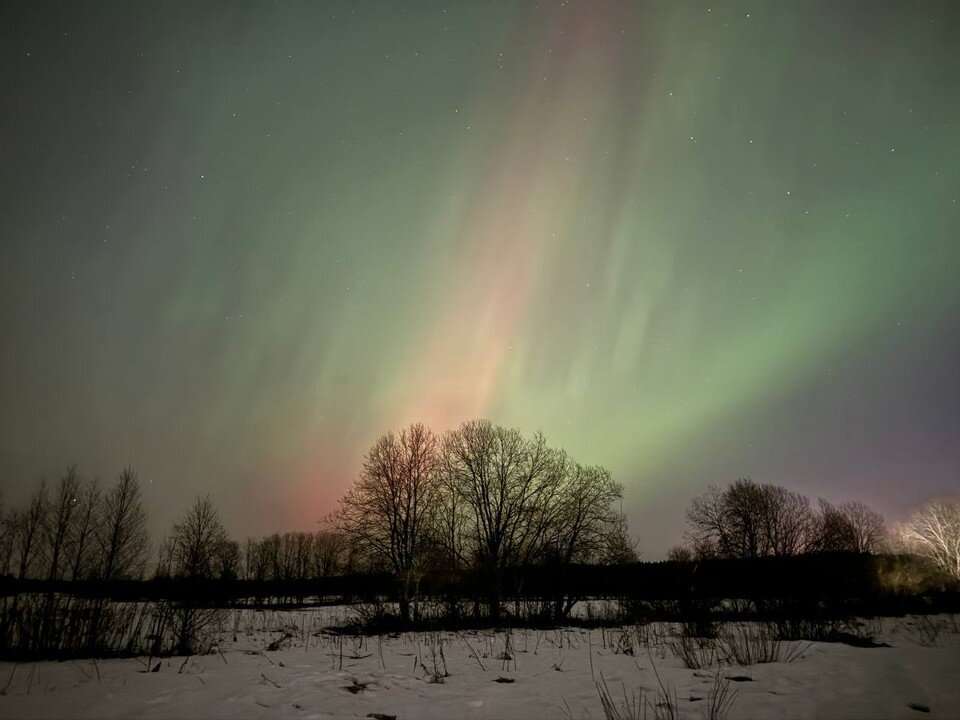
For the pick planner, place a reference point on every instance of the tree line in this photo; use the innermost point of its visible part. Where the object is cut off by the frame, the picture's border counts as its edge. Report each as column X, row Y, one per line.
column 752, row 520
column 79, row 531
column 481, row 500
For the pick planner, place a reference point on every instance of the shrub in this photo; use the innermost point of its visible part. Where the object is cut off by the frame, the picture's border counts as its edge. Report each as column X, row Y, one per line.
column 754, row 644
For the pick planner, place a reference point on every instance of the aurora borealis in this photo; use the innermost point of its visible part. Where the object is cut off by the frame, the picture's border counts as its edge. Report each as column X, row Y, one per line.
column 688, row 241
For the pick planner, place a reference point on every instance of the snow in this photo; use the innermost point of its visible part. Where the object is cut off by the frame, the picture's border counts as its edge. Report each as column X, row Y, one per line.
column 321, row 675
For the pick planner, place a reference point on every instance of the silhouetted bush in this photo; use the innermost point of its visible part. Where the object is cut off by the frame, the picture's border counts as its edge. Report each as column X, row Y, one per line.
column 62, row 626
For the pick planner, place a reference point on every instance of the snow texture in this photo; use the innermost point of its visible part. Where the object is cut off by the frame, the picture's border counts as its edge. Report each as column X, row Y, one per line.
column 518, row 674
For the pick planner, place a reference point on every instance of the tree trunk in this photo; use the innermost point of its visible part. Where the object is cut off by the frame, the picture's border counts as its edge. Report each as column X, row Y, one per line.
column 493, row 601
column 558, row 613
column 404, row 598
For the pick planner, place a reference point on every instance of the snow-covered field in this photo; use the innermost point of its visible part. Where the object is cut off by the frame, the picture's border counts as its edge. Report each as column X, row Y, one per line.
column 486, row 674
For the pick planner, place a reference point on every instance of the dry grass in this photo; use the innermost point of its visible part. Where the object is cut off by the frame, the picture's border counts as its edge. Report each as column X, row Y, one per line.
column 633, row 706
column 720, row 698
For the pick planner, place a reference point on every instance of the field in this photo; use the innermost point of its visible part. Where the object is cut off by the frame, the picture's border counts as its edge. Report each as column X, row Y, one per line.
column 289, row 664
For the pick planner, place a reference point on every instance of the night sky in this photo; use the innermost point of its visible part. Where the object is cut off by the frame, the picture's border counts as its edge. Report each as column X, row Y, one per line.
column 688, row 241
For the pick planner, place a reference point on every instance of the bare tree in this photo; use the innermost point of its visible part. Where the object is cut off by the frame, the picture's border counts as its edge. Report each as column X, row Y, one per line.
column 787, row 521
column 852, row 527
column 28, row 528
column 287, row 557
column 449, row 520
column 60, row 522
column 227, row 561
column 83, row 530
column 164, row 559
column 933, row 532
column 868, row 527
column 387, row 509
column 302, row 546
column 831, row 533
column 750, row 520
column 194, row 626
column 680, row 553
column 328, row 550
column 199, row 549
column 254, row 564
column 586, row 524
column 270, row 557
column 620, row 547
column 196, row 540
column 121, row 530
column 506, row 487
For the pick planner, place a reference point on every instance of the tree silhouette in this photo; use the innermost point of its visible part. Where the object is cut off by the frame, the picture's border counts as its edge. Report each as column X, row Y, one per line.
column 508, row 490
column 28, row 527
column 60, row 521
column 851, row 527
column 197, row 541
column 387, row 510
column 83, row 530
column 121, row 529
column 748, row 520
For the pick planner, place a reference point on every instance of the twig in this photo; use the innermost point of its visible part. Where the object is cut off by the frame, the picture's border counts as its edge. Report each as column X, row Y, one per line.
column 9, row 680
column 473, row 654
column 590, row 649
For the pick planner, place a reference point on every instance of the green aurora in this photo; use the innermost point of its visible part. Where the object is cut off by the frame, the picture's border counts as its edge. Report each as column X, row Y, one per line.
column 688, row 241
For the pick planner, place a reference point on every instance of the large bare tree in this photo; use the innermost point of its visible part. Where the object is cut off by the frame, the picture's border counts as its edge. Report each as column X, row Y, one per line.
column 507, row 489
column 933, row 532
column 387, row 510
